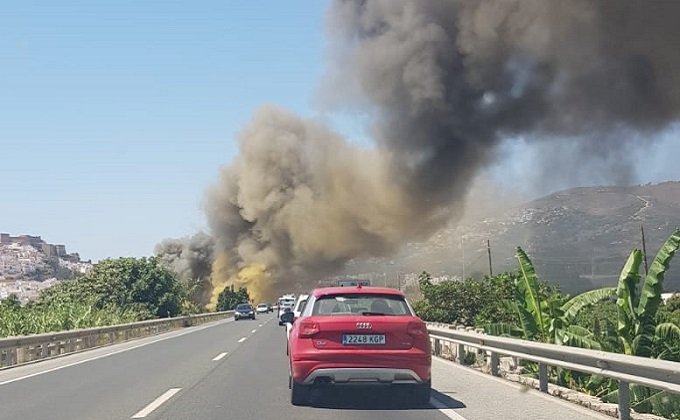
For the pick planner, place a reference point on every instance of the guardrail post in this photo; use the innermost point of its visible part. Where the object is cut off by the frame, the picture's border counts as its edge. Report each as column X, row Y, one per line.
column 437, row 347
column 460, row 354
column 624, row 401
column 543, row 377
column 495, row 364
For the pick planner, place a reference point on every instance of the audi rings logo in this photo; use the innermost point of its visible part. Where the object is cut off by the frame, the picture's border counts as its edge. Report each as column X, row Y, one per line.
column 364, row 325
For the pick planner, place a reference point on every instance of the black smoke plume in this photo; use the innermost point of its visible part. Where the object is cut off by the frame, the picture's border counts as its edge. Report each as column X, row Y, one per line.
column 443, row 82
column 191, row 258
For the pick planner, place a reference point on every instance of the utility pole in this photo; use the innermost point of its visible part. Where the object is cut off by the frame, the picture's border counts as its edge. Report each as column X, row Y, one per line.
column 644, row 248
column 488, row 251
column 462, row 248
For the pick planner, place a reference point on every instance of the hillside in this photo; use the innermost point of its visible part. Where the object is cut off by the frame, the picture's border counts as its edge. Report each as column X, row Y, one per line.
column 27, row 257
column 578, row 238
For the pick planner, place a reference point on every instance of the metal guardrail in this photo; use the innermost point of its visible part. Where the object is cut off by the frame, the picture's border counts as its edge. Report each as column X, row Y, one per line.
column 25, row 349
column 655, row 373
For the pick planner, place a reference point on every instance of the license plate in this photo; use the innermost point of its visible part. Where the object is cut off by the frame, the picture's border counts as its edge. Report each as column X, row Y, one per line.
column 363, row 339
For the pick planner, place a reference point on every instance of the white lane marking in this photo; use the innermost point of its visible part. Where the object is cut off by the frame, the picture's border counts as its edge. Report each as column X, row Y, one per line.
column 101, row 356
column 242, row 339
column 253, row 331
column 448, row 412
column 219, row 356
column 260, row 325
column 156, row 403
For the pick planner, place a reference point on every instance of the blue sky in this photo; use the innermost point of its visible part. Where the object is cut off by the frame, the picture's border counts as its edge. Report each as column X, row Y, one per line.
column 116, row 116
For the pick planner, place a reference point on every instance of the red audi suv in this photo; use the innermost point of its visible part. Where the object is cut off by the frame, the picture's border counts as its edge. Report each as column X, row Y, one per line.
column 358, row 336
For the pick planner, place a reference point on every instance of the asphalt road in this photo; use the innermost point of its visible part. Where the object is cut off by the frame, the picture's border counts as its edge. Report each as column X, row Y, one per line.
column 238, row 370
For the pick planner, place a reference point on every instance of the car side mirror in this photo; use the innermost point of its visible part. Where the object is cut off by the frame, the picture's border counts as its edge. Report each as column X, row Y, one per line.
column 287, row 318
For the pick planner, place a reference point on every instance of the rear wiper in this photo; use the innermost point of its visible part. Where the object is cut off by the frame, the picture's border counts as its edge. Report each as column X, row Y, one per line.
column 373, row 313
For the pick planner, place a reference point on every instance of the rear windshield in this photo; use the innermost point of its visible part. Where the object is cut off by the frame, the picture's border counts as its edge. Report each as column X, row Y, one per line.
column 361, row 304
column 244, row 307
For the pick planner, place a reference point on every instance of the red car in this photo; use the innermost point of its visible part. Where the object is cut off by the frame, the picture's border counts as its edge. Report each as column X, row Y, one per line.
column 359, row 336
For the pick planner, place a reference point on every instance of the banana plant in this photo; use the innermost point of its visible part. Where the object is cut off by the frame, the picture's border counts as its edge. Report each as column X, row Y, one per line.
column 667, row 340
column 529, row 304
column 637, row 311
column 637, row 327
column 548, row 319
column 627, row 301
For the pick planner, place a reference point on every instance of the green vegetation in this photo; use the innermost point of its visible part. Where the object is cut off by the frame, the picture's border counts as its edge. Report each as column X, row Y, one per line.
column 115, row 291
column 629, row 318
column 228, row 298
column 469, row 302
column 32, row 319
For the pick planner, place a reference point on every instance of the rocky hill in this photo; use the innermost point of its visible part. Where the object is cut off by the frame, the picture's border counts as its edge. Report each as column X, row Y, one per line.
column 578, row 238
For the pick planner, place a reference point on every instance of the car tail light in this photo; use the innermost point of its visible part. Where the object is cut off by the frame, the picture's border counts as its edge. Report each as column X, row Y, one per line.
column 308, row 329
column 417, row 329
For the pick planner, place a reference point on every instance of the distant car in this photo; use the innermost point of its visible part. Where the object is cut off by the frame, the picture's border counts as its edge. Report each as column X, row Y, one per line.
column 284, row 312
column 244, row 310
column 270, row 308
column 358, row 336
column 283, row 306
column 262, row 308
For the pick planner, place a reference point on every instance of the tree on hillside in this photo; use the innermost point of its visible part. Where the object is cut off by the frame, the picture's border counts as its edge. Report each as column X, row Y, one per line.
column 228, row 298
column 138, row 284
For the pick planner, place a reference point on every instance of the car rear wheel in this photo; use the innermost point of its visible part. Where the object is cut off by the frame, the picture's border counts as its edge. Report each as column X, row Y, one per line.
column 299, row 394
column 421, row 393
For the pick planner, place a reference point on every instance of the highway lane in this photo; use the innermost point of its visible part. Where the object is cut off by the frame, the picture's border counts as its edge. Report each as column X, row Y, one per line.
column 119, row 385
column 238, row 370
column 252, row 384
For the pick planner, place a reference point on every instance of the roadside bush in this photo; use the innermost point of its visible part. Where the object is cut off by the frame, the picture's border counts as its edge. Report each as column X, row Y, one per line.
column 228, row 298
column 115, row 291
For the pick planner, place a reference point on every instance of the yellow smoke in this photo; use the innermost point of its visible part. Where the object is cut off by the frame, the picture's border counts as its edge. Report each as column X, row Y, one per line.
column 257, row 280
column 219, row 278
column 254, row 277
